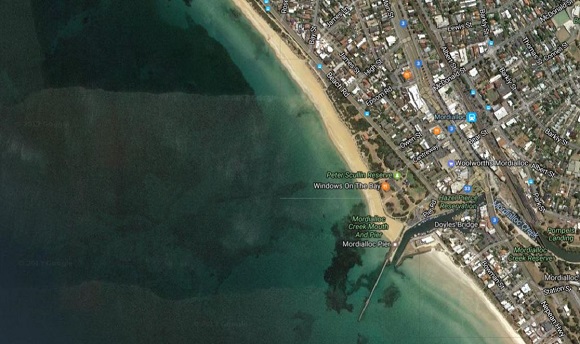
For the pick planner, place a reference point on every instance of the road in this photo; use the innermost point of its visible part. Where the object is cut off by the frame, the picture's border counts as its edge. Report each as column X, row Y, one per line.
column 312, row 57
column 475, row 102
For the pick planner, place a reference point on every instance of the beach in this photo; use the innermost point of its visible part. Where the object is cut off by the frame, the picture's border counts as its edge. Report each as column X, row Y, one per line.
column 470, row 305
column 335, row 128
column 183, row 213
column 443, row 271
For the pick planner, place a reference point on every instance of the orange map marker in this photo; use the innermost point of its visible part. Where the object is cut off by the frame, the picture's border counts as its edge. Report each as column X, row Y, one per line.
column 436, row 130
column 407, row 74
column 385, row 186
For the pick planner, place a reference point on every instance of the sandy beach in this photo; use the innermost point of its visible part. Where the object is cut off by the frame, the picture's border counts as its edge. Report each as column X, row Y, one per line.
column 336, row 129
column 457, row 279
column 342, row 139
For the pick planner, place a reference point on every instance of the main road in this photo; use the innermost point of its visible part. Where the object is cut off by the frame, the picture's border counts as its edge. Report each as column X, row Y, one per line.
column 312, row 57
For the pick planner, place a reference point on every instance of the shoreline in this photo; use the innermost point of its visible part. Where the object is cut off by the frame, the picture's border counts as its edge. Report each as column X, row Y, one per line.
column 502, row 326
column 337, row 131
column 341, row 138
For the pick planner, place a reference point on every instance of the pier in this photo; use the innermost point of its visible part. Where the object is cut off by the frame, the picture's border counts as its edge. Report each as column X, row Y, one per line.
column 395, row 254
column 385, row 263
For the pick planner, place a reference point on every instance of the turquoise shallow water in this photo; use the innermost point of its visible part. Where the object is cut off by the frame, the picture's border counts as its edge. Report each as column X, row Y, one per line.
column 161, row 193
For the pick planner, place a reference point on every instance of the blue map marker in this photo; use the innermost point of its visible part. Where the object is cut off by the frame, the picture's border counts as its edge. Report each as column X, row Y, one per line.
column 451, row 129
column 418, row 63
column 451, row 163
column 467, row 188
column 403, row 23
column 267, row 8
column 490, row 43
column 494, row 220
column 319, row 66
column 488, row 107
column 473, row 92
column 367, row 113
column 530, row 181
column 266, row 1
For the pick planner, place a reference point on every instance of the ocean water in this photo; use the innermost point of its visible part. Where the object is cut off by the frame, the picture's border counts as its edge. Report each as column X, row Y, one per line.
column 157, row 188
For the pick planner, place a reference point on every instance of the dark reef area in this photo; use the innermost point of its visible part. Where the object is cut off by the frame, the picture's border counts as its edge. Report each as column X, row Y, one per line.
column 336, row 275
column 390, row 295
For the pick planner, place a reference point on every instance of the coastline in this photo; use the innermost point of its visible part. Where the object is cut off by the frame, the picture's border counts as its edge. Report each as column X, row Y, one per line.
column 443, row 261
column 341, row 138
column 339, row 134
